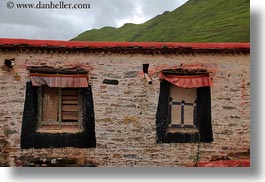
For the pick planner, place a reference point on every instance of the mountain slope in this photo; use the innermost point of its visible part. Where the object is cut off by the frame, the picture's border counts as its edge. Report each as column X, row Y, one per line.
column 195, row 21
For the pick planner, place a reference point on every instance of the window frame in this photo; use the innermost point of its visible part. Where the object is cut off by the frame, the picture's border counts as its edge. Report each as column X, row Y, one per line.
column 60, row 122
column 204, row 125
column 31, row 138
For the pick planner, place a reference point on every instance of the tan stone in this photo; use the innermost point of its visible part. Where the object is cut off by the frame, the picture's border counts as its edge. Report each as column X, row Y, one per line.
column 125, row 114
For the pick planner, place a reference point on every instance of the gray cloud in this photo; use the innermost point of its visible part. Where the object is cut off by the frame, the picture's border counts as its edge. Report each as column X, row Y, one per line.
column 66, row 24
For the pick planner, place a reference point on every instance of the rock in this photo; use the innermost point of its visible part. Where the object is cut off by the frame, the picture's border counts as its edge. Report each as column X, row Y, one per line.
column 131, row 74
column 53, row 161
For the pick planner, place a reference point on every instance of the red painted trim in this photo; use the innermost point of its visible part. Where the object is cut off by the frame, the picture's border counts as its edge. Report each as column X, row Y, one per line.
column 58, row 75
column 226, row 163
column 4, row 42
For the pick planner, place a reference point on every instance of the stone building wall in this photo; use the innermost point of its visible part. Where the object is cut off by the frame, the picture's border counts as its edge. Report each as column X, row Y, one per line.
column 125, row 113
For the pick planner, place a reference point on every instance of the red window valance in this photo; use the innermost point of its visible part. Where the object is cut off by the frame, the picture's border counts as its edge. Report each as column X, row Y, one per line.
column 60, row 80
column 188, row 81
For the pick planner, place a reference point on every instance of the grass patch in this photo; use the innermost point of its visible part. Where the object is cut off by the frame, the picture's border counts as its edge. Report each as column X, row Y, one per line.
column 195, row 21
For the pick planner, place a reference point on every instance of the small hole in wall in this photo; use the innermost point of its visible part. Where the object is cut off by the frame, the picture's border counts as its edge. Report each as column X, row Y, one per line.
column 110, row 82
column 10, row 63
column 145, row 68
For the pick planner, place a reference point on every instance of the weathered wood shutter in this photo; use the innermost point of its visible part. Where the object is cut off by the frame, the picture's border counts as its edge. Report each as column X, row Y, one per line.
column 50, row 105
column 70, row 106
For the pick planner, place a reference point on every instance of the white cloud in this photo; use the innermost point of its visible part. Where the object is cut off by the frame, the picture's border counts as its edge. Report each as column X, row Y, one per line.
column 137, row 18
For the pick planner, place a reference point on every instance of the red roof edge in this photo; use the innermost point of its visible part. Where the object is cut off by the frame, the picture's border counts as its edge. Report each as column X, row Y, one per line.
column 8, row 42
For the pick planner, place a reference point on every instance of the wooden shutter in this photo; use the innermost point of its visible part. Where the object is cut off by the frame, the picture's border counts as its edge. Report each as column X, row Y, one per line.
column 70, row 106
column 50, row 105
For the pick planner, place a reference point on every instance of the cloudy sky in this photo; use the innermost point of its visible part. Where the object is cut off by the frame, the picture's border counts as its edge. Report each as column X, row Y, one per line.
column 64, row 24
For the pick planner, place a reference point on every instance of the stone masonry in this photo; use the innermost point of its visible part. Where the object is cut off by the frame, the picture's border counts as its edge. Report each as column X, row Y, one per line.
column 125, row 113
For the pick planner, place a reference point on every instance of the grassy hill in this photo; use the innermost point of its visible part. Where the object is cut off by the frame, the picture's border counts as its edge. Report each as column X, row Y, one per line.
column 195, row 21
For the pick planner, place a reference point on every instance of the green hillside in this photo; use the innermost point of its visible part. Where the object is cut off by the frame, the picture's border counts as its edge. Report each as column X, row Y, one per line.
column 195, row 21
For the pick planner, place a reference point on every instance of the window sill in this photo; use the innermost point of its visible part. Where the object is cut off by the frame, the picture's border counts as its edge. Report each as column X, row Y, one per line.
column 181, row 135
column 56, row 131
column 182, row 130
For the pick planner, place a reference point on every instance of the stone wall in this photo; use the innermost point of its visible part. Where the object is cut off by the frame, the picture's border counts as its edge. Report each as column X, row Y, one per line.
column 125, row 113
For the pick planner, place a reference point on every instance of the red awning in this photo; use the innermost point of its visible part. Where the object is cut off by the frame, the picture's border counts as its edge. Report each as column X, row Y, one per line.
column 188, row 81
column 60, row 80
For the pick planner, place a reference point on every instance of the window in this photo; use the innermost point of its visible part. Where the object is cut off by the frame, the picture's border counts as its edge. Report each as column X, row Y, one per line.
column 58, row 110
column 184, row 108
